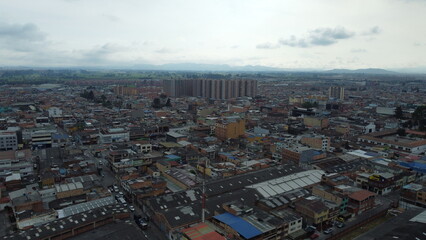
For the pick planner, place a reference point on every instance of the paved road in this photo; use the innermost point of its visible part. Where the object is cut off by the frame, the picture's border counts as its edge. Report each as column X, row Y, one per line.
column 5, row 224
column 389, row 225
column 153, row 232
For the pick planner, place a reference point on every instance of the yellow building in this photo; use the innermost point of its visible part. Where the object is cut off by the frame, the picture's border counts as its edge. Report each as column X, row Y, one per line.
column 313, row 209
column 296, row 99
column 317, row 142
column 203, row 170
column 230, row 129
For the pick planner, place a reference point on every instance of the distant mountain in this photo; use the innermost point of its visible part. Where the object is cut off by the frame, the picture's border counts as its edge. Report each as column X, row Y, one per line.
column 199, row 67
column 203, row 67
column 362, row 71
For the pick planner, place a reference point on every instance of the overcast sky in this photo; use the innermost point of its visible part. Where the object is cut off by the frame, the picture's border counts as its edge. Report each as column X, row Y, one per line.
column 320, row 34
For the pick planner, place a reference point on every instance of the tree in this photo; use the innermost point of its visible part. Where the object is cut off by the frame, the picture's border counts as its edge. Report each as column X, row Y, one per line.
column 419, row 117
column 309, row 104
column 168, row 103
column 399, row 114
column 401, row 132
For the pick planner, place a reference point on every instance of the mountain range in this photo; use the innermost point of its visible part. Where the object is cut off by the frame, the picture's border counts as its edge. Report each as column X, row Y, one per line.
column 199, row 67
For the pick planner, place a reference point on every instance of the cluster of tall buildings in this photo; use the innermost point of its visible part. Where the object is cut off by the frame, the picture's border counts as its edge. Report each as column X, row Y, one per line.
column 209, row 88
column 336, row 92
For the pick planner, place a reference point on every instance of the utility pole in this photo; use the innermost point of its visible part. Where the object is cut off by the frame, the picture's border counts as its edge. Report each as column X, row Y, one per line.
column 203, row 204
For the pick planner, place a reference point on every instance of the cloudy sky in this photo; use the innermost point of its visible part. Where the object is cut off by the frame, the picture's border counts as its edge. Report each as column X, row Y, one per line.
column 319, row 34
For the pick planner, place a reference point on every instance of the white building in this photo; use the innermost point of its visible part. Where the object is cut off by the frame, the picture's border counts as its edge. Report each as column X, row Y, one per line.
column 54, row 112
column 8, row 140
column 114, row 135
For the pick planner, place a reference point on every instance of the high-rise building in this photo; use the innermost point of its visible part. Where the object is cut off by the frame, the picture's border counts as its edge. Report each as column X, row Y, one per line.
column 210, row 88
column 336, row 92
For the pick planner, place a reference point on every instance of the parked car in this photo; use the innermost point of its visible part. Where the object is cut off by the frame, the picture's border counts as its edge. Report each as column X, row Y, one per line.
column 328, row 231
column 310, row 229
column 142, row 224
column 313, row 236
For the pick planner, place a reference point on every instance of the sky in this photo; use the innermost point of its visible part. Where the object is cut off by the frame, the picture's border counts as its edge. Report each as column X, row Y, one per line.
column 301, row 34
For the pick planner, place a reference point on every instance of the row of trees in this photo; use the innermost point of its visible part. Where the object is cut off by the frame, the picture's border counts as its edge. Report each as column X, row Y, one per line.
column 89, row 95
column 418, row 118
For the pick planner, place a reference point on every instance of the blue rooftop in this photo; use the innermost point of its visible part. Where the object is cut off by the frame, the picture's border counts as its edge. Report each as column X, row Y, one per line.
column 418, row 167
column 373, row 154
column 240, row 225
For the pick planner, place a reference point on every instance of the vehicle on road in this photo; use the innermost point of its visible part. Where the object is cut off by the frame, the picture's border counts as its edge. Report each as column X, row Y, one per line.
column 310, row 229
column 340, row 224
column 313, row 236
column 142, row 223
column 132, row 208
column 328, row 231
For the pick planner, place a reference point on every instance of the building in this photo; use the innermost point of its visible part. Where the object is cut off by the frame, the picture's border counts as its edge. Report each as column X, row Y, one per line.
column 123, row 90
column 330, row 194
column 251, row 224
column 361, row 201
column 313, row 210
column 16, row 162
column 230, row 128
column 414, row 142
column 336, row 92
column 316, row 122
column 114, row 135
column 210, row 88
column 74, row 225
column 8, row 140
column 201, row 231
column 415, row 194
column 317, row 142
column 54, row 112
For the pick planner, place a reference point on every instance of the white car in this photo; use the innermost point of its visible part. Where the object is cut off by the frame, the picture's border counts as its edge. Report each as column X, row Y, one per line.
column 132, row 208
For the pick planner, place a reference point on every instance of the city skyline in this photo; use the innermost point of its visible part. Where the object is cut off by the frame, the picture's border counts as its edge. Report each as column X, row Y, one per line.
column 289, row 35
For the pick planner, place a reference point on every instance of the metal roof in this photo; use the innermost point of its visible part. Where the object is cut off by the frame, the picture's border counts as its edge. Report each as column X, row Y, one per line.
column 240, row 225
column 287, row 183
column 82, row 207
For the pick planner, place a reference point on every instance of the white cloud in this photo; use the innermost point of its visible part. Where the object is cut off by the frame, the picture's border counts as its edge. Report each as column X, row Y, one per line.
column 274, row 33
column 318, row 37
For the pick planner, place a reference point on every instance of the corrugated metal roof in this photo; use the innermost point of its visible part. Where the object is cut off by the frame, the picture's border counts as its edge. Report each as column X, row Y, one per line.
column 240, row 225
column 288, row 183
